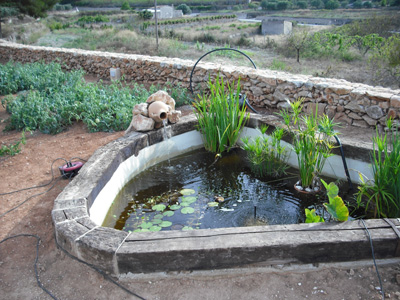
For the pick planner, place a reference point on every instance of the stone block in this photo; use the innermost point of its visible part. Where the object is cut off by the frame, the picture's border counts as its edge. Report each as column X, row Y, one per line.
column 99, row 246
column 67, row 233
column 375, row 112
column 395, row 101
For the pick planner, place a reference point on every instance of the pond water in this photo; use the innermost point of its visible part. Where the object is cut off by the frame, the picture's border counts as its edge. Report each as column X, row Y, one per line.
column 194, row 191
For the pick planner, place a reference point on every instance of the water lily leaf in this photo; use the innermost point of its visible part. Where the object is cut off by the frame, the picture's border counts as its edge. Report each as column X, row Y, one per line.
column 146, row 225
column 155, row 228
column 189, row 199
column 175, row 207
column 187, row 210
column 158, row 216
column 185, row 203
column 165, row 223
column 168, row 213
column 187, row 228
column 141, row 230
column 156, row 221
column 159, row 207
column 212, row 204
column 186, row 192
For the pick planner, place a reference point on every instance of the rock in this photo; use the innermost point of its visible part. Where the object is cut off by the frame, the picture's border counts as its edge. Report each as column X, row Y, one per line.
column 141, row 109
column 140, row 123
column 174, row 116
column 354, row 107
column 351, row 272
column 395, row 101
column 398, row 279
column 163, row 97
column 375, row 112
column 370, row 121
column 284, row 105
column 280, row 97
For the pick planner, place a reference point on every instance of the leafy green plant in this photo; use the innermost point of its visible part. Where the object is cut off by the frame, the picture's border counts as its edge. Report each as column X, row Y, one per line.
column 312, row 141
column 220, row 116
column 266, row 154
column 382, row 194
column 13, row 149
column 336, row 207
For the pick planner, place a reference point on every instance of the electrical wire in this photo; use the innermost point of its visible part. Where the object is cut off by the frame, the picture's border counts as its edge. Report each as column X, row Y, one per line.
column 373, row 257
column 38, row 240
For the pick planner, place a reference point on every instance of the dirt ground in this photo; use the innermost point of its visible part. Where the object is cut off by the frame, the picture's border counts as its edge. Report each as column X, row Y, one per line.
column 66, row 278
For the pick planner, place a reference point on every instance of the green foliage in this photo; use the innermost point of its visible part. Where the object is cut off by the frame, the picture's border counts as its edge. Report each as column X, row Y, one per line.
column 125, row 6
column 302, row 4
column 145, row 15
column 90, row 19
column 332, row 4
column 55, row 99
column 382, row 194
column 316, row 4
column 184, row 8
column 266, row 154
column 13, row 149
column 336, row 207
column 35, row 8
column 282, row 5
column 367, row 4
column 220, row 116
column 277, row 65
column 312, row 217
column 311, row 141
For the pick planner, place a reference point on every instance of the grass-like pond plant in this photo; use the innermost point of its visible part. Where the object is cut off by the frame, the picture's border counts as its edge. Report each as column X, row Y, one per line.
column 220, row 116
column 267, row 156
column 382, row 193
column 312, row 142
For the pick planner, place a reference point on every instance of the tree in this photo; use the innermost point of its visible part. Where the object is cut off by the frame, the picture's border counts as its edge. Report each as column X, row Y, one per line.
column 302, row 4
column 282, row 5
column 185, row 9
column 125, row 6
column 332, row 4
column 316, row 3
column 35, row 8
column 298, row 40
column 145, row 14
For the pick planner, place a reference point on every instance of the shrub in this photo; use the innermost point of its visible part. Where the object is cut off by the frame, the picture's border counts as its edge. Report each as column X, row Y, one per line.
column 125, row 6
column 145, row 15
column 367, row 4
column 282, row 5
column 302, row 4
column 357, row 4
column 332, row 4
column 185, row 9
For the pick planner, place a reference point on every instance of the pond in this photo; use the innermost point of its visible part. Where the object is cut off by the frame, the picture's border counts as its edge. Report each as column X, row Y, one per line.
column 195, row 191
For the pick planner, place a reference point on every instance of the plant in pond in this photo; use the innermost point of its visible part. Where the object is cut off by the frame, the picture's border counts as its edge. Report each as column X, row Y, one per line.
column 312, row 142
column 382, row 194
column 220, row 116
column 266, row 154
column 336, row 207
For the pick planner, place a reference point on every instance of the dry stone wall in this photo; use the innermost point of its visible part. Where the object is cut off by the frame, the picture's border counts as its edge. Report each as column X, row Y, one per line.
column 349, row 103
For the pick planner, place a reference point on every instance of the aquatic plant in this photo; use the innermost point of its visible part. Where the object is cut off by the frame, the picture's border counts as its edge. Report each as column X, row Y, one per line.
column 382, row 193
column 336, row 207
column 266, row 154
column 312, row 141
column 220, row 116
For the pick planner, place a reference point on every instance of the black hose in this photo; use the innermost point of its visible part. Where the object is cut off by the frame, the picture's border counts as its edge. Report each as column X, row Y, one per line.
column 243, row 98
column 346, row 170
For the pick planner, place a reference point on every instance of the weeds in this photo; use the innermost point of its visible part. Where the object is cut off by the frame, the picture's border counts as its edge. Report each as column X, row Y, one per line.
column 13, row 149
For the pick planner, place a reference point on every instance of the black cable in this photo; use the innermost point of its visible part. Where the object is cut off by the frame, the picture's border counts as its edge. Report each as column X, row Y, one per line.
column 38, row 240
column 373, row 257
column 100, row 271
column 29, row 198
column 38, row 186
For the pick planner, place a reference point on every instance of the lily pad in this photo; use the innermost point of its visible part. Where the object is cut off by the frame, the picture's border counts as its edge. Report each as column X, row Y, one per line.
column 187, row 228
column 189, row 199
column 146, row 225
column 187, row 210
column 156, row 221
column 158, row 216
column 168, row 213
column 155, row 228
column 159, row 207
column 141, row 230
column 185, row 203
column 186, row 192
column 212, row 204
column 165, row 223
column 175, row 207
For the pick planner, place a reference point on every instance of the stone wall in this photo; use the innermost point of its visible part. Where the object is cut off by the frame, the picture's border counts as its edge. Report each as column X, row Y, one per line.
column 349, row 103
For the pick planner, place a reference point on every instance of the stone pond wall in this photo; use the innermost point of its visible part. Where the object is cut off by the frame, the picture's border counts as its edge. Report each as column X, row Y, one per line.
column 349, row 103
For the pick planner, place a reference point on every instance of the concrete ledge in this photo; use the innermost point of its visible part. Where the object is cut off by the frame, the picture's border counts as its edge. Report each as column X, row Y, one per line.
column 118, row 252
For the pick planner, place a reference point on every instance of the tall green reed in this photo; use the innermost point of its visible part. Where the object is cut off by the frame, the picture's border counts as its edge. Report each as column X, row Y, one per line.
column 382, row 194
column 220, row 116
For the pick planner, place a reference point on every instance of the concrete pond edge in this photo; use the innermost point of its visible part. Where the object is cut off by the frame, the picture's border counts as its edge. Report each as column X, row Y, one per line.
column 118, row 252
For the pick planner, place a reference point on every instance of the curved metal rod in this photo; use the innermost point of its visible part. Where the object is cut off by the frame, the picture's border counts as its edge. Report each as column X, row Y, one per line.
column 222, row 49
column 346, row 170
